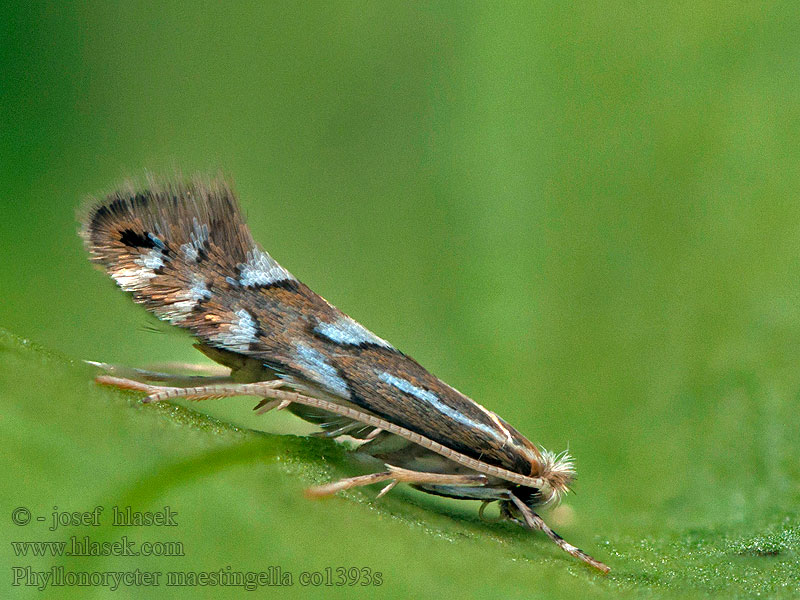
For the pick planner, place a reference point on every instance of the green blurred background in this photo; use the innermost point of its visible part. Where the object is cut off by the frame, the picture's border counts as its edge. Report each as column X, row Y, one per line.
column 585, row 217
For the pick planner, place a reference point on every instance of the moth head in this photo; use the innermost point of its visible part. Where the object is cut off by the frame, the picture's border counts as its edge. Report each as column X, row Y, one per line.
column 558, row 473
column 555, row 473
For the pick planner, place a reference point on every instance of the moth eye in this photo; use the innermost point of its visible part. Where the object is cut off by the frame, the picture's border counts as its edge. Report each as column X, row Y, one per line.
column 529, row 495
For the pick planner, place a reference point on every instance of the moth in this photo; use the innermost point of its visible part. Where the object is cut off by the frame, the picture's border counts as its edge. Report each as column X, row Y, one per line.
column 183, row 251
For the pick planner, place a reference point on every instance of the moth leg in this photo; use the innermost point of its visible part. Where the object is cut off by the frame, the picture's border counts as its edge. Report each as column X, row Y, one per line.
column 482, row 510
column 207, row 370
column 535, row 522
column 373, row 434
column 396, row 475
column 343, row 430
column 345, row 484
column 159, row 393
column 221, row 375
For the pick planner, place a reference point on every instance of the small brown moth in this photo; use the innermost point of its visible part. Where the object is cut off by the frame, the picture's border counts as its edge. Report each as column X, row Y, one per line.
column 184, row 252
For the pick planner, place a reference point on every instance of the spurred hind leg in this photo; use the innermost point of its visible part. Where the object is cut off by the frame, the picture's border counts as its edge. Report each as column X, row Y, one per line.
column 394, row 475
column 212, row 374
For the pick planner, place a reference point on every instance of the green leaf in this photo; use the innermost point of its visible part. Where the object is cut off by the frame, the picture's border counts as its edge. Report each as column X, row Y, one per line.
column 239, row 507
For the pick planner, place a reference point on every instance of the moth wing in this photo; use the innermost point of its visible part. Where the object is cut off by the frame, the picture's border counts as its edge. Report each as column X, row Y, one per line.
column 245, row 369
column 184, row 252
